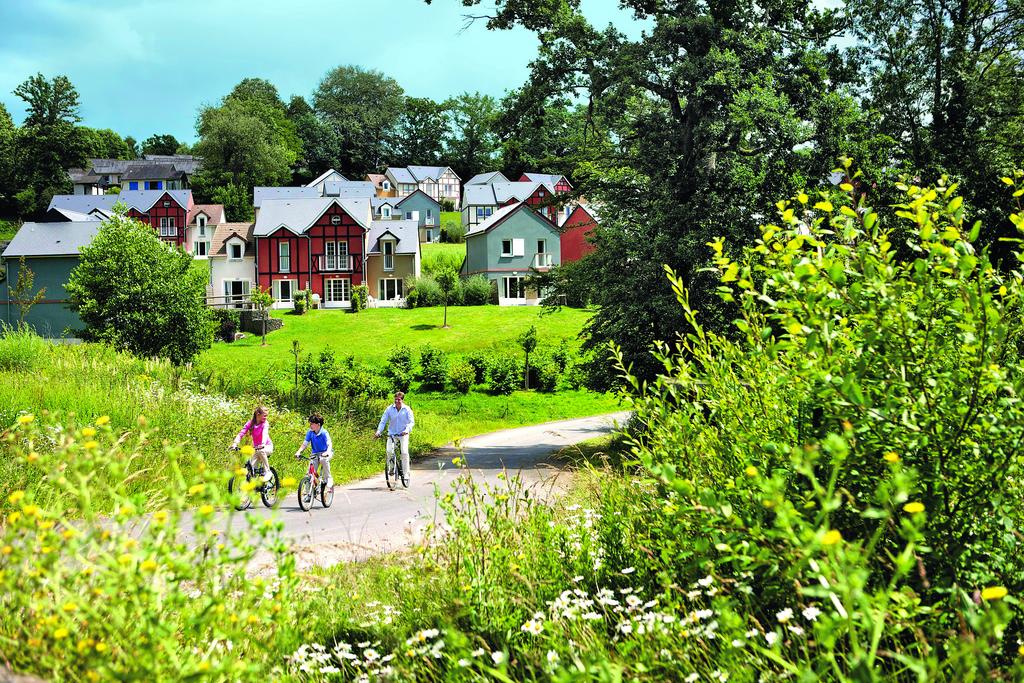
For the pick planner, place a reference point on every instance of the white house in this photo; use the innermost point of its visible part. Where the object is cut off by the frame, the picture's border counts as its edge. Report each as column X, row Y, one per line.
column 201, row 223
column 232, row 258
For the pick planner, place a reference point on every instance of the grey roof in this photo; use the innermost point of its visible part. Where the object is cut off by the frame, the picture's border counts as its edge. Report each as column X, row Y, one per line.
column 299, row 214
column 424, row 172
column 407, row 233
column 73, row 215
column 81, row 176
column 152, row 171
column 325, row 176
column 493, row 219
column 549, row 178
column 260, row 194
column 377, row 202
column 52, row 239
column 401, row 174
column 499, row 193
column 349, row 188
column 487, row 178
column 185, row 163
column 419, row 192
column 140, row 200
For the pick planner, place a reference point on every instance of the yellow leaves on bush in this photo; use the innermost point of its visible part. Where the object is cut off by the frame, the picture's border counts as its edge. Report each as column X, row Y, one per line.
column 825, row 206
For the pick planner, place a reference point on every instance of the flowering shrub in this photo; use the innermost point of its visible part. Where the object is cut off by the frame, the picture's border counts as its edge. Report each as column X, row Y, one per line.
column 96, row 582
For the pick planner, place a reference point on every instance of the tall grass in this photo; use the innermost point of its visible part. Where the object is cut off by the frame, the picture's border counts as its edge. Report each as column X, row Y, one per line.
column 20, row 348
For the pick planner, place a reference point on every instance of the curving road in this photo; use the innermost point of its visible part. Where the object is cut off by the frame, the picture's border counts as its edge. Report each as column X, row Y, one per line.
column 366, row 518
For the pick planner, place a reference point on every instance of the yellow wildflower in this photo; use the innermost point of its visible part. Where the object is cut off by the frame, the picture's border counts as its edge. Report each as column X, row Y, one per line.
column 196, row 488
column 248, row 450
column 7, row 550
column 125, row 558
column 90, row 445
column 891, row 456
column 252, row 619
column 102, row 420
column 101, row 647
column 25, row 419
column 60, row 634
column 32, row 457
column 206, row 509
column 14, row 517
column 751, row 471
column 45, row 524
column 15, row 497
column 831, row 537
column 92, row 675
column 993, row 593
column 288, row 482
column 89, row 432
column 160, row 516
column 69, row 607
column 913, row 508
column 31, row 510
column 148, row 565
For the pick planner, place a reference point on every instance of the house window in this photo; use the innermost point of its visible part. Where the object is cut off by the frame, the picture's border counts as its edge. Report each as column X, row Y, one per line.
column 540, row 246
column 236, row 292
column 408, row 215
column 506, row 247
column 284, row 257
column 336, row 256
column 514, row 287
column 335, row 219
column 389, row 255
column 430, row 235
column 337, row 290
column 200, row 248
column 541, row 194
column 389, row 289
column 285, row 289
column 385, row 211
column 201, row 222
column 235, row 251
column 386, row 185
column 133, row 185
column 167, row 228
column 430, row 215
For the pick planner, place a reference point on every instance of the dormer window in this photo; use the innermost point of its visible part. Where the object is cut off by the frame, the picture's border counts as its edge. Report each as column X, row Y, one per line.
column 235, row 251
column 335, row 219
column 201, row 221
column 385, row 184
column 385, row 211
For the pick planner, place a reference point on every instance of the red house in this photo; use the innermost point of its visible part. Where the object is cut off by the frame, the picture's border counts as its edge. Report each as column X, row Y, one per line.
column 575, row 228
column 165, row 210
column 542, row 199
column 556, row 181
column 315, row 243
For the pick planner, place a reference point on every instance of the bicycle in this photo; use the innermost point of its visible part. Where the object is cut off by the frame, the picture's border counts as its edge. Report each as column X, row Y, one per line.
column 312, row 482
column 266, row 488
column 393, row 470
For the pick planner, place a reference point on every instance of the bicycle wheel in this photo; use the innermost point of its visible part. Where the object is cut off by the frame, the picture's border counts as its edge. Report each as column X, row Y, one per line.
column 326, row 494
column 402, row 473
column 269, row 491
column 389, row 472
column 237, row 484
column 306, row 493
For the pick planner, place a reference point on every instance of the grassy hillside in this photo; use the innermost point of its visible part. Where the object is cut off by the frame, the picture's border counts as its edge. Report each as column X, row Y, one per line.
column 436, row 251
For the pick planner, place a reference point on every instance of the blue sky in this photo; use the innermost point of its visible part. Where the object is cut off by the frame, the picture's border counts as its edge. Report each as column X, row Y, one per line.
column 145, row 67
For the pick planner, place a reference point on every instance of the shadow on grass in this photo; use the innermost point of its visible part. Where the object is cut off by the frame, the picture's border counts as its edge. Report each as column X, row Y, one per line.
column 425, row 327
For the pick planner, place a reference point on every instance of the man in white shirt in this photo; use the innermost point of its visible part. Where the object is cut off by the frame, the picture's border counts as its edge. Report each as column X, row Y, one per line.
column 399, row 421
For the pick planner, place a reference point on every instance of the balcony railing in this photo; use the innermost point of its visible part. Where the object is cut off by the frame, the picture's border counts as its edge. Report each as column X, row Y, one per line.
column 328, row 263
column 543, row 260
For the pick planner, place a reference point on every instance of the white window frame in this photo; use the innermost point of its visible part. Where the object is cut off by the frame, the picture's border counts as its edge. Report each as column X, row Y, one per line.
column 396, row 285
column 506, row 253
column 430, row 235
column 389, row 256
column 292, row 286
column 284, row 257
column 521, row 285
column 385, row 184
column 329, row 290
column 167, row 227
column 201, row 248
column 385, row 211
column 430, row 215
column 230, row 297
column 231, row 248
column 201, row 222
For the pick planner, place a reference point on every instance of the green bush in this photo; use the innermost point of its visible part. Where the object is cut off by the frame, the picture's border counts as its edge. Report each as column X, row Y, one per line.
column 547, row 376
column 360, row 298
column 399, row 368
column 504, row 374
column 478, row 360
column 299, row 302
column 453, row 233
column 423, row 292
column 226, row 322
column 433, row 367
column 21, row 349
column 462, row 376
column 476, row 291
column 440, row 262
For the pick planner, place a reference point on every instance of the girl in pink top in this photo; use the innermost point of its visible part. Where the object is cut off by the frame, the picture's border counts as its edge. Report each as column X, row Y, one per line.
column 259, row 429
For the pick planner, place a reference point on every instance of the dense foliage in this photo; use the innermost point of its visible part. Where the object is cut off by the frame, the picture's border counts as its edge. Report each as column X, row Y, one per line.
column 134, row 291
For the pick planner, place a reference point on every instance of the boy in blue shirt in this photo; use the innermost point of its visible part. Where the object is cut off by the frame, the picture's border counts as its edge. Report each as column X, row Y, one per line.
column 319, row 441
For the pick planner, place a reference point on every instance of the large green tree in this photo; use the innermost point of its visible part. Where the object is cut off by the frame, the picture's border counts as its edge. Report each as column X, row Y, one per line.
column 362, row 108
column 48, row 143
column 712, row 111
column 471, row 145
column 104, row 143
column 419, row 137
column 160, row 144
column 135, row 292
column 8, row 140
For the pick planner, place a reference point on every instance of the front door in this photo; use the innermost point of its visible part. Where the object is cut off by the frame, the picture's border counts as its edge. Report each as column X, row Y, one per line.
column 337, row 293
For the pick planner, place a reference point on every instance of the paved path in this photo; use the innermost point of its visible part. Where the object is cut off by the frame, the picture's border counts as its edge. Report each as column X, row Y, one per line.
column 366, row 518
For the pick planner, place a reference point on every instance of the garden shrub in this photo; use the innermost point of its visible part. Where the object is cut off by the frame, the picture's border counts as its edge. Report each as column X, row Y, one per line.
column 226, row 322
column 563, row 355
column 360, row 298
column 399, row 368
column 547, row 375
column 423, row 292
column 478, row 361
column 504, row 374
column 433, row 367
column 442, row 261
column 21, row 349
column 476, row 291
column 300, row 302
column 462, row 376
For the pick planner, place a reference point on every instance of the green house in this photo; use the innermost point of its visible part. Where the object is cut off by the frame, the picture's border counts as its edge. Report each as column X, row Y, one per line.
column 507, row 246
column 51, row 252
